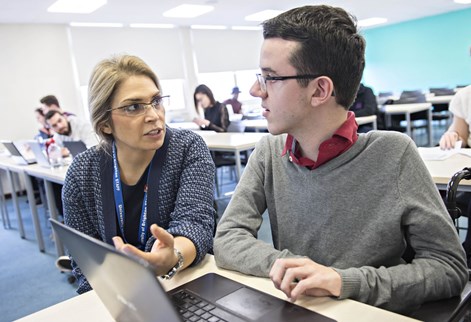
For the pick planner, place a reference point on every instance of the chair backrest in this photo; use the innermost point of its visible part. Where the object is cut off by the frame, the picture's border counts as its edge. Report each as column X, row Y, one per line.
column 409, row 97
column 441, row 91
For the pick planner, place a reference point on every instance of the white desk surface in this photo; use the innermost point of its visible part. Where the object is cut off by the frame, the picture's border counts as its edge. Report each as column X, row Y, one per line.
column 56, row 175
column 230, row 141
column 184, row 125
column 365, row 119
column 443, row 170
column 88, row 307
column 405, row 108
column 445, row 99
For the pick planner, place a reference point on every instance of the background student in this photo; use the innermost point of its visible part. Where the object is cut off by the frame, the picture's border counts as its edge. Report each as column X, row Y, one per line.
column 146, row 188
column 342, row 206
column 234, row 101
column 216, row 117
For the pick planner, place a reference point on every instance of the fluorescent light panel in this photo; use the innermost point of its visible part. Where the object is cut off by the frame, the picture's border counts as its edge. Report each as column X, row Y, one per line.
column 463, row 1
column 257, row 28
column 371, row 21
column 152, row 25
column 76, row 6
column 263, row 15
column 96, row 24
column 187, row 11
column 213, row 27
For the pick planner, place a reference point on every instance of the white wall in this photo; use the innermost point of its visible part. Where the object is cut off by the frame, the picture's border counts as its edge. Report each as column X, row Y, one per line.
column 37, row 60
column 34, row 61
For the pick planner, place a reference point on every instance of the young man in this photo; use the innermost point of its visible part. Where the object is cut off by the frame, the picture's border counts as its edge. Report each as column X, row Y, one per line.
column 342, row 206
column 50, row 102
column 70, row 129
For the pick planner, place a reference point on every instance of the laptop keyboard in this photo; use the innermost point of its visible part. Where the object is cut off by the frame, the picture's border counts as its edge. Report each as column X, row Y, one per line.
column 195, row 309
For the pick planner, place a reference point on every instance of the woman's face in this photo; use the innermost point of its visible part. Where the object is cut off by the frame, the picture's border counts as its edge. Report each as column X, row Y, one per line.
column 203, row 100
column 136, row 133
column 40, row 118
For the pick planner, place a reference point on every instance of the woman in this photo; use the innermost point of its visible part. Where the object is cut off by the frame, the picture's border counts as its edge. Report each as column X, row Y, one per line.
column 216, row 117
column 146, row 188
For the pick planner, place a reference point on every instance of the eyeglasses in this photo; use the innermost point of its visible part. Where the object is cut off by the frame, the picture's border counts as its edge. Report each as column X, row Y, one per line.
column 137, row 109
column 262, row 80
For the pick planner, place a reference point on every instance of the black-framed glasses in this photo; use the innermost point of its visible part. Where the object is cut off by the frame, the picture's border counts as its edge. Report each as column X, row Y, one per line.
column 262, row 80
column 137, row 109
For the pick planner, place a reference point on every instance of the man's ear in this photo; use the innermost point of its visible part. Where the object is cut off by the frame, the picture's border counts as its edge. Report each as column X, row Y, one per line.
column 323, row 87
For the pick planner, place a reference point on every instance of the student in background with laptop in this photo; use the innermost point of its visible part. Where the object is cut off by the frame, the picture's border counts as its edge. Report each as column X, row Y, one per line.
column 70, row 129
column 44, row 132
column 342, row 205
column 50, row 102
column 146, row 188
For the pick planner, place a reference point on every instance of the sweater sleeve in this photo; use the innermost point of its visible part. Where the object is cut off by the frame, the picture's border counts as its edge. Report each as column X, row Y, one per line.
column 194, row 215
column 76, row 216
column 236, row 246
column 438, row 269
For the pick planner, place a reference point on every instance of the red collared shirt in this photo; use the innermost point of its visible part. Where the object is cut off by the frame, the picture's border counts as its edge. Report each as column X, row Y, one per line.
column 345, row 136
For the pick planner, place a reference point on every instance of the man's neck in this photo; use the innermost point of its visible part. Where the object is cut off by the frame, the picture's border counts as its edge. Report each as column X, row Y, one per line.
column 318, row 130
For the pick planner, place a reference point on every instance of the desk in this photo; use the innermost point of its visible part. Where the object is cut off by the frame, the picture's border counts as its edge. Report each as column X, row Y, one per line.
column 184, row 125
column 407, row 110
column 444, row 99
column 234, row 142
column 443, row 170
column 88, row 307
column 366, row 120
column 49, row 175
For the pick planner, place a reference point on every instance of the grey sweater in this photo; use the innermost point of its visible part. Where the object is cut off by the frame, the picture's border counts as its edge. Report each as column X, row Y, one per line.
column 355, row 214
column 180, row 195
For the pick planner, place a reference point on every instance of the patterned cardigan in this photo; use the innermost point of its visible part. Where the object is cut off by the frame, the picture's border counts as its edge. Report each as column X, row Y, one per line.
column 180, row 194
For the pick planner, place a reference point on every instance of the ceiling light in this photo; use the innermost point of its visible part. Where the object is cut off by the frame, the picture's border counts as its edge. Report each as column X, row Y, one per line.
column 213, row 27
column 187, row 11
column 371, row 21
column 263, row 15
column 96, row 24
column 76, row 6
column 463, row 1
column 246, row 28
column 152, row 25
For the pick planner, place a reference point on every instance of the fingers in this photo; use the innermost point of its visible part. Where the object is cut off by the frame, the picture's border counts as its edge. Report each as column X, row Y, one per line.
column 163, row 238
column 448, row 141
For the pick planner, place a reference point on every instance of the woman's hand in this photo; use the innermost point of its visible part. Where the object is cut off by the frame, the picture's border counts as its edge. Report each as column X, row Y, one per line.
column 297, row 276
column 448, row 140
column 161, row 256
column 201, row 121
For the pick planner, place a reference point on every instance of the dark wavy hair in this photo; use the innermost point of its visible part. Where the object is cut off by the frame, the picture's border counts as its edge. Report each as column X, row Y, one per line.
column 203, row 89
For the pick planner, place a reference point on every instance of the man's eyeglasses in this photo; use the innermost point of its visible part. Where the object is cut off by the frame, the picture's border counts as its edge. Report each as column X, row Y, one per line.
column 137, row 109
column 262, row 80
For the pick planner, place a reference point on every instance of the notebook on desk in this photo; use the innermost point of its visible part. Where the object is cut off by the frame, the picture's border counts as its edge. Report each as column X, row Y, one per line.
column 20, row 153
column 130, row 291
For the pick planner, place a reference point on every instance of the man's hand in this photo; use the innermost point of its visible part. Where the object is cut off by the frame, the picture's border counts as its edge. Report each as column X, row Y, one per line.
column 297, row 276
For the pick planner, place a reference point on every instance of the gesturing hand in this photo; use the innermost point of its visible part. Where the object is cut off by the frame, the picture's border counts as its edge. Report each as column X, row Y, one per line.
column 296, row 276
column 161, row 256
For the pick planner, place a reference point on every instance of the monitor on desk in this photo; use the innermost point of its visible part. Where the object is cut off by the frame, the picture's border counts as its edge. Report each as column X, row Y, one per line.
column 130, row 290
column 20, row 152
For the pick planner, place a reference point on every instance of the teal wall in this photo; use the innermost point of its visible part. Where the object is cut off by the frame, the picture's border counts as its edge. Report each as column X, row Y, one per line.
column 419, row 54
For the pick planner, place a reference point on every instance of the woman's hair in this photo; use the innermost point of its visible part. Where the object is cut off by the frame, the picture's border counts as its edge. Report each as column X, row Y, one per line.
column 203, row 89
column 106, row 78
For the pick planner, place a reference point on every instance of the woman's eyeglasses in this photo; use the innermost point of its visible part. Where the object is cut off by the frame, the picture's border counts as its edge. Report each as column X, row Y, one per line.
column 137, row 109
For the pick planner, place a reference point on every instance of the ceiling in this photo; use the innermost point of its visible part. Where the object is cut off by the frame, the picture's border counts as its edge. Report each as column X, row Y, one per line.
column 226, row 12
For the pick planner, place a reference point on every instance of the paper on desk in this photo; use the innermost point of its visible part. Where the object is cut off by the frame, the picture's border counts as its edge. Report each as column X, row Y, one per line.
column 437, row 154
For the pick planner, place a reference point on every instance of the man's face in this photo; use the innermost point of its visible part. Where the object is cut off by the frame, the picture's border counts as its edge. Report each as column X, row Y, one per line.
column 59, row 124
column 285, row 103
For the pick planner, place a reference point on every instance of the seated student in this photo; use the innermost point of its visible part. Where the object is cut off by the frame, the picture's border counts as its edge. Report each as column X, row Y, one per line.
column 146, row 188
column 342, row 206
column 460, row 107
column 365, row 105
column 234, row 101
column 44, row 132
column 216, row 117
column 50, row 102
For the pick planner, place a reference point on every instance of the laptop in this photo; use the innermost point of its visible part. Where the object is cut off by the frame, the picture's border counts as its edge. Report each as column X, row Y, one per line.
column 74, row 147
column 20, row 152
column 39, row 153
column 130, row 291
